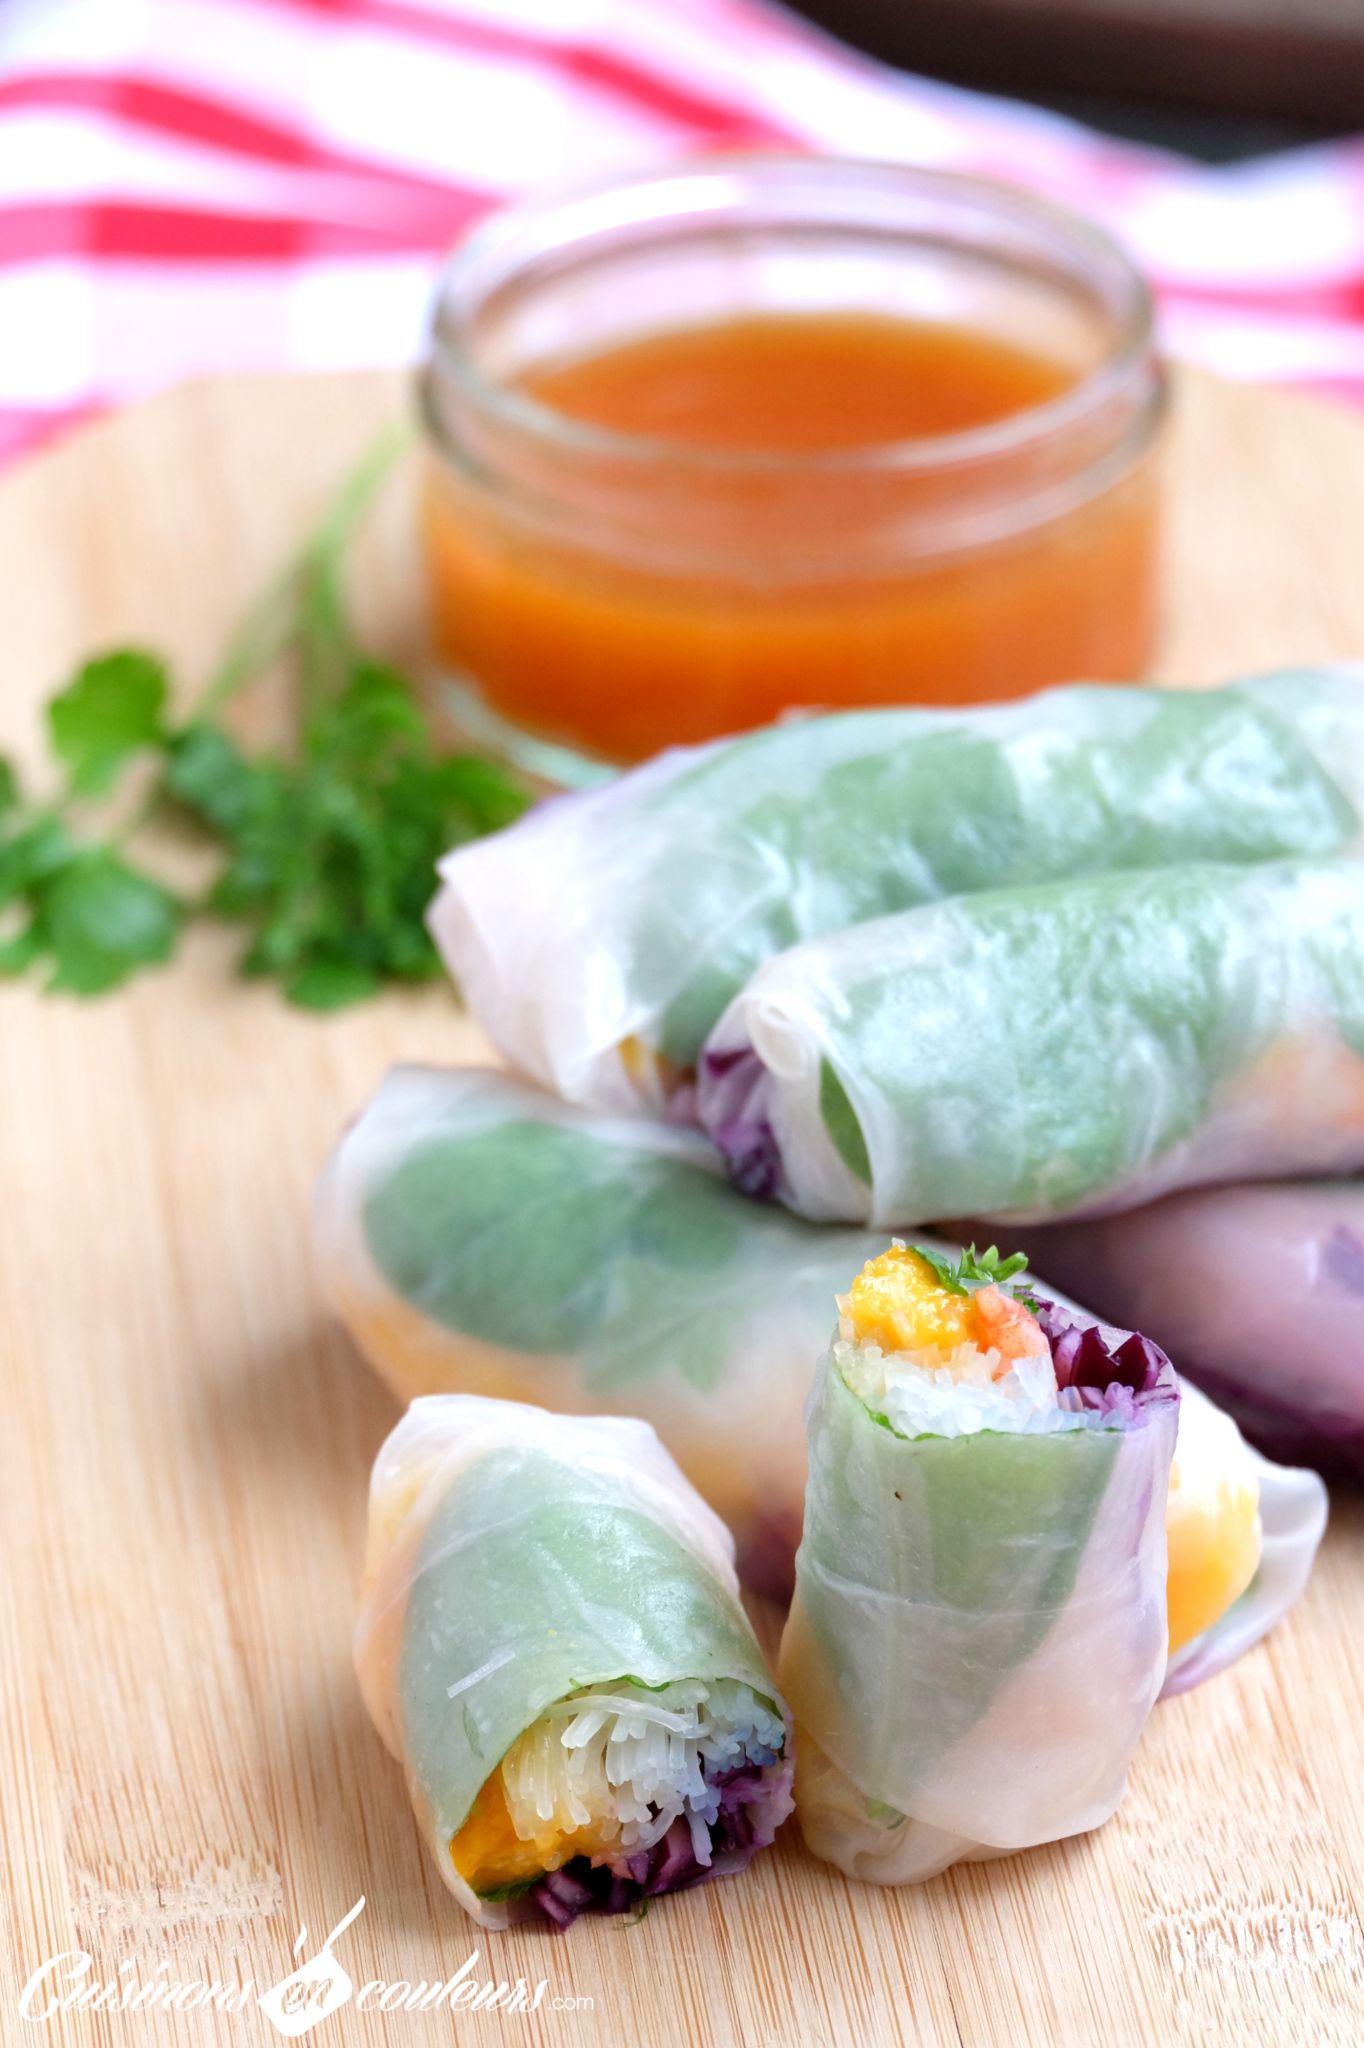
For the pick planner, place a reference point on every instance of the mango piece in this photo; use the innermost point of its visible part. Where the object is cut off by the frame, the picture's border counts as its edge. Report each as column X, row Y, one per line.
column 489, row 1854
column 1212, row 1522
column 898, row 1302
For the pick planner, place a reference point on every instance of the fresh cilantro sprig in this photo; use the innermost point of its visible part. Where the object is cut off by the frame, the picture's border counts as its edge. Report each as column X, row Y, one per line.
column 327, row 846
column 978, row 1269
column 71, row 902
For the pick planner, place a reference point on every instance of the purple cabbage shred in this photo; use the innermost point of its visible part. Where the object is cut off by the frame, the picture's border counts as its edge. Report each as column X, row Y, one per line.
column 730, row 1092
column 1112, row 1372
column 754, row 1800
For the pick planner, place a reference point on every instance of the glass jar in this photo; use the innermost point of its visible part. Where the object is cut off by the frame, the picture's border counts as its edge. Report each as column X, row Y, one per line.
column 617, row 590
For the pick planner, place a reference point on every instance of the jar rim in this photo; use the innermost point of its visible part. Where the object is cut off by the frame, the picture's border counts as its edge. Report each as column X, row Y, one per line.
column 1129, row 357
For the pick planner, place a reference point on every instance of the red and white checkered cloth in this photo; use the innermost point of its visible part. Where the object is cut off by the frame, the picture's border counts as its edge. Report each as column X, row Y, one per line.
column 200, row 185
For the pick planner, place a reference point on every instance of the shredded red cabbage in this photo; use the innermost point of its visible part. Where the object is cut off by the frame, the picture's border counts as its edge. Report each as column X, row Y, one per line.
column 1113, row 1372
column 731, row 1091
column 754, row 1800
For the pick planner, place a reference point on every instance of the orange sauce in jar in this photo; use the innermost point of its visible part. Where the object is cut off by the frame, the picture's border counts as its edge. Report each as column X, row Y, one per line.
column 693, row 531
column 802, row 381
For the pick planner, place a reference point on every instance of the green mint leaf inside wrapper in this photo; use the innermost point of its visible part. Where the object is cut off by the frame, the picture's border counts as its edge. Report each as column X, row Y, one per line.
column 527, row 1287
column 566, row 1240
column 690, row 873
column 1139, row 1015
column 932, row 810
column 587, row 1234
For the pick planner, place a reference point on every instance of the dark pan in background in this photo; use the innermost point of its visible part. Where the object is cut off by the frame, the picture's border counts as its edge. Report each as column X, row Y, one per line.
column 1218, row 78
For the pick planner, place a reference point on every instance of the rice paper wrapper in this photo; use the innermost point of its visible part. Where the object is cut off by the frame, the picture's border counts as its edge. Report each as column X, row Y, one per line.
column 513, row 1557
column 978, row 1633
column 1293, row 1513
column 477, row 1236
column 598, row 941
column 1257, row 1291
column 1074, row 1048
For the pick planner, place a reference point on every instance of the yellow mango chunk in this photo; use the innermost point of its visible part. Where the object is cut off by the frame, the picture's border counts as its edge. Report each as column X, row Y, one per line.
column 898, row 1302
column 1212, row 1522
column 489, row 1854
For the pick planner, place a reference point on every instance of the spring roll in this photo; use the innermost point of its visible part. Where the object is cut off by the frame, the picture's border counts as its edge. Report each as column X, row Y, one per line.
column 598, row 941
column 978, row 1631
column 479, row 1237
column 1075, row 1048
column 551, row 1643
column 1258, row 1292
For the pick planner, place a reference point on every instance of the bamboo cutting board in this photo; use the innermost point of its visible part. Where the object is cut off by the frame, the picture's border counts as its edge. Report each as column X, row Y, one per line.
column 187, row 1776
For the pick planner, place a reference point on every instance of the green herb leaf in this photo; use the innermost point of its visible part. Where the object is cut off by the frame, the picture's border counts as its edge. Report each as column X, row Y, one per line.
column 112, row 709
column 482, row 793
column 948, row 1275
column 328, row 848
column 33, row 854
column 331, row 985
column 332, row 857
column 421, row 1228
column 23, row 949
column 102, row 920
column 973, row 1269
column 209, row 774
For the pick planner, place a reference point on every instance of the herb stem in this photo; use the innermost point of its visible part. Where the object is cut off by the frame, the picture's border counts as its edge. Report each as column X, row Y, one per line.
column 277, row 621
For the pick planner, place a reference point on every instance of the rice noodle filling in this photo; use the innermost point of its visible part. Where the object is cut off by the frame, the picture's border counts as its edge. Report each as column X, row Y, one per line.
column 628, row 1762
column 936, row 1392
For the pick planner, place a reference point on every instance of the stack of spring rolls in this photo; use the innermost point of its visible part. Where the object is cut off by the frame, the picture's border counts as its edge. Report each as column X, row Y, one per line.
column 1070, row 966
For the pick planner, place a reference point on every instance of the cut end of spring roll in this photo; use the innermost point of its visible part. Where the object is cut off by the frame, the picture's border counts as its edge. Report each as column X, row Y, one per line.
column 931, row 1356
column 551, row 1642
column 620, row 1792
column 979, row 1626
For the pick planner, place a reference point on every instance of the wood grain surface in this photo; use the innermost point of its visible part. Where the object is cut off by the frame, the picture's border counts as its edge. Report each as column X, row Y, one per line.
column 187, row 1776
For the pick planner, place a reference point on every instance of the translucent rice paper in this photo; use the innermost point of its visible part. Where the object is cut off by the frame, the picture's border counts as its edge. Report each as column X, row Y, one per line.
column 598, row 941
column 514, row 1557
column 1293, row 1508
column 1258, row 1292
column 1078, row 1047
column 978, row 1632
column 477, row 1236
